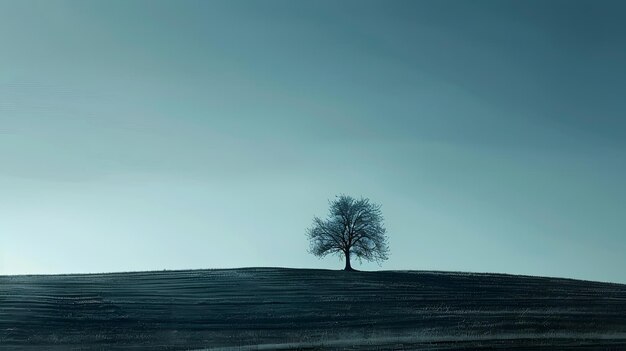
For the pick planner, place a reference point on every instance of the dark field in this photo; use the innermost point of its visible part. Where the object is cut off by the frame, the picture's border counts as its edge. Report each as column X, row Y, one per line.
column 275, row 308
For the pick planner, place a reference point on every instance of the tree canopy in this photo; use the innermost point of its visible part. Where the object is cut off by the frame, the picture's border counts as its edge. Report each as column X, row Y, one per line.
column 354, row 227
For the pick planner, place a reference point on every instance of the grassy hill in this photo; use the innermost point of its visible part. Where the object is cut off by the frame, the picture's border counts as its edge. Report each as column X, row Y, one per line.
column 274, row 308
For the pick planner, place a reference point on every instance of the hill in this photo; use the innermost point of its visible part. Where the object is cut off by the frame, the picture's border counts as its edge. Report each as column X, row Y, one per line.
column 278, row 308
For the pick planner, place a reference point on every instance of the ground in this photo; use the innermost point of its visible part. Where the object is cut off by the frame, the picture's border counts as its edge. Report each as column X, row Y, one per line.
column 278, row 308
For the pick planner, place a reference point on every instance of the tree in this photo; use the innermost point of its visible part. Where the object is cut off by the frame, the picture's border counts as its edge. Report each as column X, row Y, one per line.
column 353, row 228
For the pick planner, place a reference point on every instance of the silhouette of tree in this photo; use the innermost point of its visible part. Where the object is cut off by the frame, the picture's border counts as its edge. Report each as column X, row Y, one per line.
column 353, row 228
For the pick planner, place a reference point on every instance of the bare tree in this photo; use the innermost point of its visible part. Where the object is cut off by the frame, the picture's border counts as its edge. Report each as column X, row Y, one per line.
column 353, row 228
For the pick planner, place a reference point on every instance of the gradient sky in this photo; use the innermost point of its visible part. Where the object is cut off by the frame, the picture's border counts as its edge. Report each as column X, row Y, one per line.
column 141, row 135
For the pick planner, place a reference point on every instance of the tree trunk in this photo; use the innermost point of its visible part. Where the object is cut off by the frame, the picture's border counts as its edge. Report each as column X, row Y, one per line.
column 348, row 266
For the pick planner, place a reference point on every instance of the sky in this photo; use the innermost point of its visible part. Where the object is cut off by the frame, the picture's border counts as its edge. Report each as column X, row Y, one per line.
column 150, row 135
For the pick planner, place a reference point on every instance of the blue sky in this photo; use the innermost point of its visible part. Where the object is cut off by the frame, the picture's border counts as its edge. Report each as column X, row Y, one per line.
column 139, row 135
